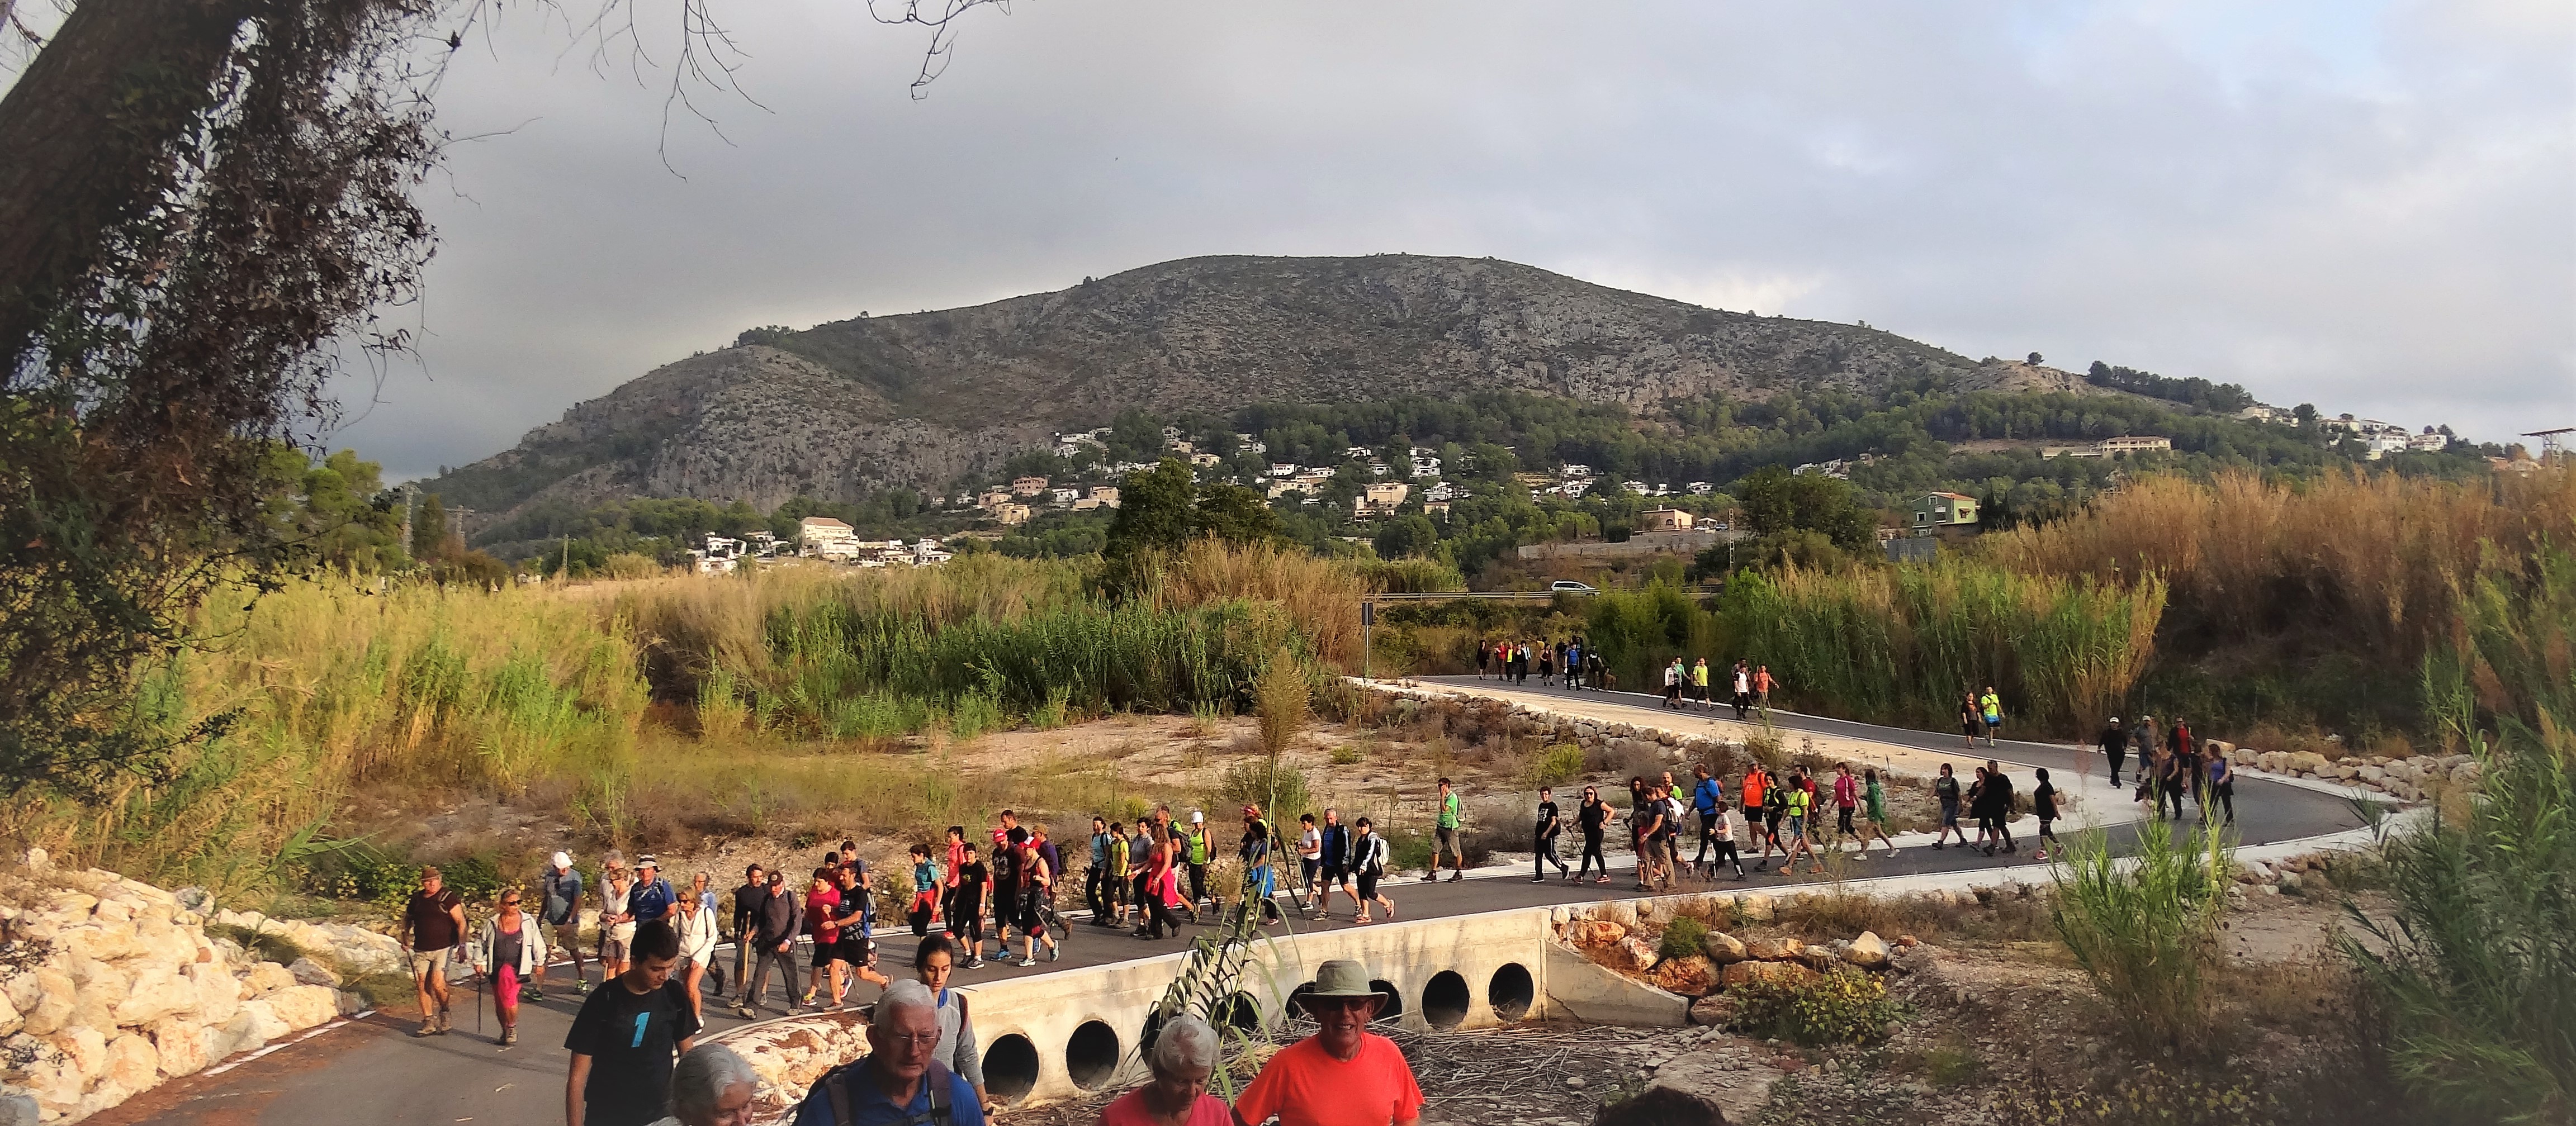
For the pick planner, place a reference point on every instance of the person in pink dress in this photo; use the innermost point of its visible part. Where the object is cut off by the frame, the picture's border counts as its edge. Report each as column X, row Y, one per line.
column 1182, row 1058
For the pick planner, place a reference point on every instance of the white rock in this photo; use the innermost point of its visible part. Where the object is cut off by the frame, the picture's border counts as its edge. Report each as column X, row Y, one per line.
column 181, row 1045
column 264, row 1023
column 19, row 1110
column 158, row 991
column 1868, row 951
column 133, row 1063
column 219, row 993
column 86, row 1048
column 306, row 971
column 267, row 978
column 304, row 1006
column 55, row 994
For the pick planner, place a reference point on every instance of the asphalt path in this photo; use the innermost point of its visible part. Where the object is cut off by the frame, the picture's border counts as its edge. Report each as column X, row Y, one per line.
column 372, row 1070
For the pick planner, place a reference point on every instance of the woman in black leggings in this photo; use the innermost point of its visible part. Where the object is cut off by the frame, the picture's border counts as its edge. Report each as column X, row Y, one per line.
column 1593, row 815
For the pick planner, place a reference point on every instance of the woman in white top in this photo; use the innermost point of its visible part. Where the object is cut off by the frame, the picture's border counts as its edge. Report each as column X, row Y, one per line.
column 697, row 927
column 616, row 926
column 1310, row 855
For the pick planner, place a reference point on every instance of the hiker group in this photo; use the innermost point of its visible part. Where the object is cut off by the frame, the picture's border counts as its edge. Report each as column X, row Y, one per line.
column 1559, row 664
column 2170, row 765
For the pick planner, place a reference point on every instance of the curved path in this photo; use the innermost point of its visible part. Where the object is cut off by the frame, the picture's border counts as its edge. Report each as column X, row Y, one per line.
column 370, row 1070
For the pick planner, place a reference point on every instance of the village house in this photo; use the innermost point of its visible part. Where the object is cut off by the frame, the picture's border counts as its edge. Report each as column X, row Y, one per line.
column 825, row 537
column 1010, row 513
column 1028, row 486
column 991, row 497
column 1664, row 520
column 1066, row 496
column 1944, row 514
column 1379, row 500
column 2134, row 444
column 1436, row 509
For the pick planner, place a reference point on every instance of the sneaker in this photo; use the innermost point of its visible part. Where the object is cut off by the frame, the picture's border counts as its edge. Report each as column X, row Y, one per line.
column 428, row 1027
column 1538, row 879
column 1054, row 952
column 1026, row 962
column 1937, row 844
column 509, row 1036
column 2043, row 855
column 1431, row 877
column 974, row 963
column 581, row 987
column 532, row 993
column 743, row 1011
column 1454, row 877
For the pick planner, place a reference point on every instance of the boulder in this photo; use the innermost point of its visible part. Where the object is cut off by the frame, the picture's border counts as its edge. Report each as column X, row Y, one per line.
column 2305, row 762
column 1773, row 949
column 1618, row 911
column 1631, row 955
column 1869, row 952
column 1746, row 973
column 55, row 992
column 219, row 993
column 306, row 971
column 261, row 1023
column 1596, row 932
column 194, row 900
column 1754, row 907
column 1693, row 976
column 19, row 1110
column 1717, row 1010
column 247, row 1030
column 305, row 1006
column 266, row 978
column 86, row 1048
column 132, row 1062
column 1723, row 948
column 181, row 1044
column 158, row 991
column 1819, row 958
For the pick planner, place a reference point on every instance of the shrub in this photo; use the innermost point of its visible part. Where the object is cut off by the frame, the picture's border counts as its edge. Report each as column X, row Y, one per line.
column 2144, row 930
column 1556, row 766
column 1682, row 938
column 1845, row 1005
column 1346, row 755
column 1279, row 790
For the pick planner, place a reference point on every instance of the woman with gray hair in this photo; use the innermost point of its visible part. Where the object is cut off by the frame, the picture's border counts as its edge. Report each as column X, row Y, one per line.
column 1183, row 1056
column 712, row 1086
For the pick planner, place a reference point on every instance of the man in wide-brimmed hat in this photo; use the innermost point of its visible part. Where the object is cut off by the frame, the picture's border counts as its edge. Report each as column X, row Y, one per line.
column 1342, row 1073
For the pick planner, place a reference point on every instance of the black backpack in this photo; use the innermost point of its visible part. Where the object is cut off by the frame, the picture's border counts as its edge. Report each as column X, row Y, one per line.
column 835, row 1089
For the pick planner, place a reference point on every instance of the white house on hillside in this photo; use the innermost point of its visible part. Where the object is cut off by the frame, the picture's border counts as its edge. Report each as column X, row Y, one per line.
column 827, row 538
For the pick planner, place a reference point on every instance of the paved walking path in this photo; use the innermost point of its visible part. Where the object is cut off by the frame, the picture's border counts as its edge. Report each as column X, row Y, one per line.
column 371, row 1071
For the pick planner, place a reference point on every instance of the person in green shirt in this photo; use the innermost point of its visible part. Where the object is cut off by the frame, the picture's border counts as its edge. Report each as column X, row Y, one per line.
column 1873, row 804
column 1194, row 856
column 1448, row 838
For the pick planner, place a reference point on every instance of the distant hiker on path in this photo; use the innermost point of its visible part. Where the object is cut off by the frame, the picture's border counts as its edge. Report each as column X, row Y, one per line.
column 1874, row 813
column 1445, row 828
column 507, row 953
column 559, row 907
column 1593, row 817
column 1550, row 826
column 780, row 917
column 1945, row 789
column 1673, row 684
column 1990, row 708
column 2115, row 748
column 2043, row 803
column 1969, row 718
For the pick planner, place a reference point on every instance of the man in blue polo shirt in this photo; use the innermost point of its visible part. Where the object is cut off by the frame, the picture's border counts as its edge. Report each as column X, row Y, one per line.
column 1706, row 798
column 652, row 898
column 897, row 1082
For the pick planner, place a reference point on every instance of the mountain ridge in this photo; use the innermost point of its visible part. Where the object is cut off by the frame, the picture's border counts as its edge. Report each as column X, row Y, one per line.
column 921, row 399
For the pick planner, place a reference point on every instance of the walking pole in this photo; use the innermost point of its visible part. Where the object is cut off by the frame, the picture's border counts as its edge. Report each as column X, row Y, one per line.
column 478, row 1004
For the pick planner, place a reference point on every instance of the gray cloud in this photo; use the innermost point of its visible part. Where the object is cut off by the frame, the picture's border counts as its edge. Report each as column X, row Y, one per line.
column 2363, row 206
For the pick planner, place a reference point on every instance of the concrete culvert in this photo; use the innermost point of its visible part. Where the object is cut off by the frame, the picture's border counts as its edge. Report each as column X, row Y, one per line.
column 1011, row 1066
column 1297, row 1001
column 1445, row 1000
column 1239, row 1012
column 1512, row 992
column 1091, row 1056
column 1394, row 1006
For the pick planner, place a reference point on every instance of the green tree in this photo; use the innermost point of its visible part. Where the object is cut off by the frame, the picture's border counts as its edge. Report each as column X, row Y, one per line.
column 1156, row 510
column 1405, row 537
column 429, row 530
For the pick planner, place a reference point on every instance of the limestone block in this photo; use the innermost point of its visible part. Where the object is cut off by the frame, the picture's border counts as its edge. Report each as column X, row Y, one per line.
column 1628, row 955
column 158, row 991
column 1746, row 973
column 1620, row 911
column 10, row 1021
column 55, row 993
column 70, row 904
column 267, row 978
column 264, row 1024
column 1717, row 1010
column 234, row 1035
column 1869, row 952
column 101, row 939
column 1755, row 907
column 2305, row 762
column 1723, row 948
column 1598, row 932
column 86, row 1048
column 306, row 971
column 132, row 1062
column 1693, row 976
column 1774, row 949
column 304, row 1006
column 219, row 993
column 19, row 1110
column 181, row 1044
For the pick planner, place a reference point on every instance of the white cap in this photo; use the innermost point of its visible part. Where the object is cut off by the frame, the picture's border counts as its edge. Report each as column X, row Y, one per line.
column 563, row 860
column 1197, row 817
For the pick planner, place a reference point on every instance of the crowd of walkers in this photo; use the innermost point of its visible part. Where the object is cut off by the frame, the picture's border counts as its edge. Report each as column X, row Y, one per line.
column 2170, row 764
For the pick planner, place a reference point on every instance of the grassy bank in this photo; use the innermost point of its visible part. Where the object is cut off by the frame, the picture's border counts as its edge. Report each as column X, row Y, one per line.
column 725, row 703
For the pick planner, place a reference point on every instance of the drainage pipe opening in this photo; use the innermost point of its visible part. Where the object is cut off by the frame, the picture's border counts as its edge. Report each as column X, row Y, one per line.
column 1011, row 1066
column 1239, row 1012
column 1512, row 992
column 1091, row 1055
column 1394, row 1006
column 1445, row 1000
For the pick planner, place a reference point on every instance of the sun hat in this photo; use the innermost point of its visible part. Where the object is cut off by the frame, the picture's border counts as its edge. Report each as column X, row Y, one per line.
column 563, row 860
column 1342, row 977
column 1197, row 817
column 647, row 861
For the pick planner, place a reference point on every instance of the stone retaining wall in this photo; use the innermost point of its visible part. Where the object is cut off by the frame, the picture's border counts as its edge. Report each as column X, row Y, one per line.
column 110, row 986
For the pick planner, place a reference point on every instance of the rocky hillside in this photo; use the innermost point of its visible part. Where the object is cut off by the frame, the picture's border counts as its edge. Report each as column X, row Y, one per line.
column 919, row 399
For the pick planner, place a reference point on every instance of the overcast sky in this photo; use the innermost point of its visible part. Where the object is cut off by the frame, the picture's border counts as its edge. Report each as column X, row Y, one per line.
column 2368, row 206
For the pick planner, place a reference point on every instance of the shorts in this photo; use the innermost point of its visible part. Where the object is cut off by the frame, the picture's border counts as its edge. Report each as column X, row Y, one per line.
column 1843, row 821
column 854, row 949
column 1968, row 728
column 1336, row 874
column 1368, row 885
column 426, row 963
column 826, row 953
column 1311, row 868
column 1950, row 815
column 1448, row 837
column 1752, row 815
column 1797, row 828
column 1030, row 923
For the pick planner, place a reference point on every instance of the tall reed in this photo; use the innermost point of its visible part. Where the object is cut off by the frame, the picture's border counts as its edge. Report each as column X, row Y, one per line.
column 2145, row 928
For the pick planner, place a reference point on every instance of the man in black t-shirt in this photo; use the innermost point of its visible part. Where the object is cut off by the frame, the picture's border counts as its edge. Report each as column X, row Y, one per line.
column 433, row 923
column 626, row 1036
column 1549, row 828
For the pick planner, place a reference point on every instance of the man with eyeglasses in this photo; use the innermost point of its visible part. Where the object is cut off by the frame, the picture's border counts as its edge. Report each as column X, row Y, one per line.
column 898, row 1083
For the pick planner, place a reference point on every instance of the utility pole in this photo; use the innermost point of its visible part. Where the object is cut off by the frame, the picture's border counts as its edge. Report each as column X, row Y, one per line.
column 1368, row 618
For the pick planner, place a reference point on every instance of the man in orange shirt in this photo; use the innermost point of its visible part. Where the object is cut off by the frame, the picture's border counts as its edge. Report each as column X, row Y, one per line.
column 1340, row 1076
